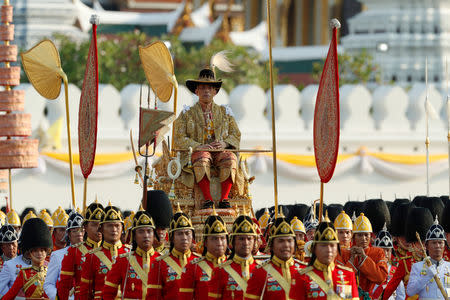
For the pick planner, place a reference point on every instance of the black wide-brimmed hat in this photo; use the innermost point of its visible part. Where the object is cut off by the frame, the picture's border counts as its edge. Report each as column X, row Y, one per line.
column 35, row 234
column 206, row 76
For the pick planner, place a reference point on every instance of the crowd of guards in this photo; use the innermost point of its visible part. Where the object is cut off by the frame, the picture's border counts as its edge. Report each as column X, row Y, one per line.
column 374, row 249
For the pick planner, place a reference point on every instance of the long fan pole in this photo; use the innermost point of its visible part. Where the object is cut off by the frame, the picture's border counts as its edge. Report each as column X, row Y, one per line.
column 448, row 121
column 272, row 101
column 69, row 140
column 427, row 139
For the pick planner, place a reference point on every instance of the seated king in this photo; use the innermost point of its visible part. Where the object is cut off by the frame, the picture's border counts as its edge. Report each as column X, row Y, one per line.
column 210, row 130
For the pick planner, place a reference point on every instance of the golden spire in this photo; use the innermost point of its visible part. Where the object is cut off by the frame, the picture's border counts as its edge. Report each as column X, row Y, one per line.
column 244, row 210
column 214, row 213
column 96, row 199
column 280, row 214
column 140, row 207
column 109, row 203
column 326, row 219
column 178, row 208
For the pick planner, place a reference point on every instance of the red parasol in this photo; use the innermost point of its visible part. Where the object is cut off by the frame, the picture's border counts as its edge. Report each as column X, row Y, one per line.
column 326, row 116
column 88, row 112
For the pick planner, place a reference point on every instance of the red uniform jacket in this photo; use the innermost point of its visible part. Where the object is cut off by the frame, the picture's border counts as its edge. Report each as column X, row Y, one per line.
column 98, row 263
column 131, row 269
column 194, row 283
column 163, row 281
column 378, row 289
column 70, row 275
column 229, row 280
column 310, row 282
column 31, row 281
column 272, row 279
column 370, row 271
column 447, row 253
column 402, row 273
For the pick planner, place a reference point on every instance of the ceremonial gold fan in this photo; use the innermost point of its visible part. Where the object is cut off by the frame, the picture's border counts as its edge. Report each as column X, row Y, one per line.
column 43, row 68
column 158, row 67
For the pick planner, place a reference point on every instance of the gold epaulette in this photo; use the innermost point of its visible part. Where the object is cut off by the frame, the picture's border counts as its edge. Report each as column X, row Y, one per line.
column 305, row 270
column 197, row 260
column 159, row 258
column 262, row 257
column 76, row 245
column 262, row 263
column 344, row 268
column 94, row 250
column 300, row 262
column 26, row 268
column 227, row 263
column 126, row 254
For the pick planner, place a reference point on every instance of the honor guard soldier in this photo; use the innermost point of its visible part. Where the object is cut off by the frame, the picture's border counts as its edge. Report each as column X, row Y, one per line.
column 13, row 219
column 207, row 126
column 344, row 226
column 384, row 241
column 130, row 272
column 74, row 235
column 35, row 241
column 59, row 218
column 323, row 279
column 162, row 213
column 400, row 209
column 430, row 278
column 300, row 237
column 194, row 283
column 99, row 261
column 8, row 240
column 166, row 272
column 446, row 225
column 70, row 276
column 419, row 220
column 44, row 216
column 11, row 269
column 229, row 280
column 369, row 263
column 272, row 279
column 30, row 214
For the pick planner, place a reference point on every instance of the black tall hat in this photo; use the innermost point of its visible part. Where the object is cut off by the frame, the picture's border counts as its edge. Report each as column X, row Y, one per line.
column 160, row 208
column 94, row 212
column 446, row 218
column 435, row 205
column 378, row 214
column 444, row 199
column 400, row 214
column 419, row 200
column 334, row 210
column 299, row 211
column 397, row 202
column 35, row 234
column 419, row 220
column 355, row 207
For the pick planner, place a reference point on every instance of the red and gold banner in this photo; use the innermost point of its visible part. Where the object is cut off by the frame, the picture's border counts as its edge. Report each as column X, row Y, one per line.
column 88, row 112
column 326, row 115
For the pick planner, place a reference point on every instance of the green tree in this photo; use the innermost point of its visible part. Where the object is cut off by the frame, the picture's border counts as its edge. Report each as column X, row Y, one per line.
column 119, row 62
column 359, row 68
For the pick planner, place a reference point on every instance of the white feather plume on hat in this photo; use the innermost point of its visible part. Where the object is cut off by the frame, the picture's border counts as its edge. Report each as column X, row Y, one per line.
column 221, row 61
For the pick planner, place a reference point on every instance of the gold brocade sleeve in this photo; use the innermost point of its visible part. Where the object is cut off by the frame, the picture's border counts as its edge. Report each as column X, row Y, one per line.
column 182, row 140
column 234, row 134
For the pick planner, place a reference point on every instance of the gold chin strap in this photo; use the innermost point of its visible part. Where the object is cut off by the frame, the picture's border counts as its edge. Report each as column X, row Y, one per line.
column 182, row 257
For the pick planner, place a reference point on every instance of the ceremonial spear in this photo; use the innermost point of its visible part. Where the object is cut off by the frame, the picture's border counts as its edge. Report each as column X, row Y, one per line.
column 88, row 112
column 326, row 117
